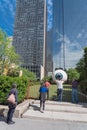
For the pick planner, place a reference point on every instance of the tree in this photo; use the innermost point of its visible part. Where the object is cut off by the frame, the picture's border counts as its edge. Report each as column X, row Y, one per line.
column 82, row 65
column 7, row 52
column 82, row 69
column 72, row 74
column 85, row 61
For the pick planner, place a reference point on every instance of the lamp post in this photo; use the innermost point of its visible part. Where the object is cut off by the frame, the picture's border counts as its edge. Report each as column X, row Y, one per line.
column 63, row 34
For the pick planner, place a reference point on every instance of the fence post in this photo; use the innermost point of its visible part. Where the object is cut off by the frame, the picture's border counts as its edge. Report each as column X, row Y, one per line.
column 28, row 90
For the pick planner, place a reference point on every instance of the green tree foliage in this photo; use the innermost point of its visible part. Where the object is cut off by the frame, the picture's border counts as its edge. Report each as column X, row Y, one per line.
column 82, row 66
column 72, row 74
column 83, row 86
column 29, row 74
column 7, row 52
column 6, row 85
column 9, row 62
column 48, row 78
column 82, row 69
column 85, row 60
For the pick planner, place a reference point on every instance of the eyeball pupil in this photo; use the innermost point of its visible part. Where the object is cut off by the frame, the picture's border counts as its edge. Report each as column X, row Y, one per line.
column 59, row 76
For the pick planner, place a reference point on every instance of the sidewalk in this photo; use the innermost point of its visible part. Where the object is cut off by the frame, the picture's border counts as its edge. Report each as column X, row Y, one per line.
column 54, row 110
column 37, row 124
column 58, row 111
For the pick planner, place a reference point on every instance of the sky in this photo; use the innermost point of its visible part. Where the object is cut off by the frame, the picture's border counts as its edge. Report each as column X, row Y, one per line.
column 75, row 27
column 50, row 12
column 7, row 15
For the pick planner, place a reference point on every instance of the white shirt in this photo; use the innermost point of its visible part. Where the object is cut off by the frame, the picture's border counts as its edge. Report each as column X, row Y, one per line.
column 59, row 84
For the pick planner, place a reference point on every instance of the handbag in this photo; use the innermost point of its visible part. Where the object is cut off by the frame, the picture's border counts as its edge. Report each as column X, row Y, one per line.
column 11, row 98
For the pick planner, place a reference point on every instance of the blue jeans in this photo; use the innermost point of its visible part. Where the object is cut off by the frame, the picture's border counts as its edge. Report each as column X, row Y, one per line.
column 74, row 95
column 10, row 114
column 60, row 94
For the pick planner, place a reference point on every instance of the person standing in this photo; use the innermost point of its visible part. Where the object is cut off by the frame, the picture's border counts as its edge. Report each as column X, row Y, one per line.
column 42, row 97
column 59, row 77
column 47, row 84
column 12, row 106
column 59, row 89
column 75, row 91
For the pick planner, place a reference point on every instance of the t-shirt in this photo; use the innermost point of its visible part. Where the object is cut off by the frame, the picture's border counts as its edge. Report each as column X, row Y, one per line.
column 43, row 89
column 59, row 84
column 43, row 92
column 74, row 84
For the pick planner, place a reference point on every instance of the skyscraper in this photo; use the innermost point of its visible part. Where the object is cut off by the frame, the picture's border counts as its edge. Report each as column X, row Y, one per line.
column 69, row 32
column 30, row 33
column 58, row 34
column 49, row 52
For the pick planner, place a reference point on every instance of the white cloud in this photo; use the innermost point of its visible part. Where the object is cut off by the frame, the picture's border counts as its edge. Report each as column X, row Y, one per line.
column 71, row 58
column 67, row 41
column 8, row 4
column 73, row 52
column 79, row 35
column 49, row 9
column 50, row 2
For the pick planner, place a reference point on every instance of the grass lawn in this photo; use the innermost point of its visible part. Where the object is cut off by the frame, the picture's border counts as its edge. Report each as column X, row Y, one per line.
column 34, row 93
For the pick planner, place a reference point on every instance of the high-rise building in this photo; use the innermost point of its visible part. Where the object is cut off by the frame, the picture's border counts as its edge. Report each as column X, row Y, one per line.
column 58, row 34
column 69, row 32
column 49, row 52
column 30, row 33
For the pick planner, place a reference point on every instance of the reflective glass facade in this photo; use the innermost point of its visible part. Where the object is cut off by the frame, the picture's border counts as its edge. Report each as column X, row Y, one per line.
column 69, row 32
column 49, row 52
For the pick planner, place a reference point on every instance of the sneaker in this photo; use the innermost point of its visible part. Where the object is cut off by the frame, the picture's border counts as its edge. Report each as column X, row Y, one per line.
column 41, row 111
column 10, row 122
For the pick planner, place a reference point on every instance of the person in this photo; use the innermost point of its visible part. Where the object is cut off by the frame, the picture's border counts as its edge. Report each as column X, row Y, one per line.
column 75, row 91
column 59, row 77
column 59, row 89
column 42, row 97
column 12, row 106
column 47, row 84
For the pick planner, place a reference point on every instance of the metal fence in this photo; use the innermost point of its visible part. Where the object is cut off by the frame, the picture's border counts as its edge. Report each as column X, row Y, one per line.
column 67, row 94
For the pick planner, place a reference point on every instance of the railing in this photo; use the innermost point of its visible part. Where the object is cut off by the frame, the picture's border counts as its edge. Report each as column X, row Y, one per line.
column 67, row 93
column 83, row 97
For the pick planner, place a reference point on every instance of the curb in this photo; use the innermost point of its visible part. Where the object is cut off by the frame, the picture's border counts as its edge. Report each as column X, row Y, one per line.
column 20, row 109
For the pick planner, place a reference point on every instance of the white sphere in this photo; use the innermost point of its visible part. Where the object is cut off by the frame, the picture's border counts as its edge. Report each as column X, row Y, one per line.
column 60, row 74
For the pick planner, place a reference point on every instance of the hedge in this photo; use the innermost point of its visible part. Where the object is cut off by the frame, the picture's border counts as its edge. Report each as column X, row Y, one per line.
column 6, row 84
column 83, row 86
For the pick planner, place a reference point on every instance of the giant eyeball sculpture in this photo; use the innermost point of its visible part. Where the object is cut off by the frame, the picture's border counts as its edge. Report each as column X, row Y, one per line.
column 59, row 75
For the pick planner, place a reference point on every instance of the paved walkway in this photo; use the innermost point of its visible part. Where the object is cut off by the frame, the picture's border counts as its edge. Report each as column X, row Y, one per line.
column 58, row 111
column 33, row 124
column 57, row 116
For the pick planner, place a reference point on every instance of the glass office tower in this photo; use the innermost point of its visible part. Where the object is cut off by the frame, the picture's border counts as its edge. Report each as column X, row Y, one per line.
column 30, row 33
column 69, row 32
column 49, row 53
column 58, row 33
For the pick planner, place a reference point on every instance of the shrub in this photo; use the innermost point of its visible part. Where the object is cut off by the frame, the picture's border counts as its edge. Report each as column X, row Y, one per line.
column 83, row 86
column 5, row 86
column 13, row 72
column 47, row 78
